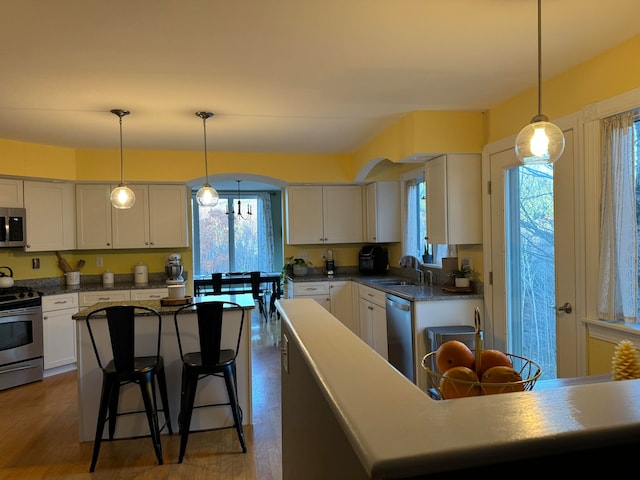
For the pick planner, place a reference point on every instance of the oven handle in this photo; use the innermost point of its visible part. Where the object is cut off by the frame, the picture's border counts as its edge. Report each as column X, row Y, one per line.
column 17, row 369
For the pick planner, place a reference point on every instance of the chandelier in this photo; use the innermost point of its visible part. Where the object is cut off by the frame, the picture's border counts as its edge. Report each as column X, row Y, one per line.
column 207, row 196
column 122, row 197
column 239, row 212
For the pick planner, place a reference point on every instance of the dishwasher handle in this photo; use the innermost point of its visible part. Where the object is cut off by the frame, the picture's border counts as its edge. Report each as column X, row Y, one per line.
column 401, row 305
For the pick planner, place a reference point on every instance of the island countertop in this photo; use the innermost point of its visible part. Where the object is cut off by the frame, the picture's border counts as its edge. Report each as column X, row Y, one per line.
column 395, row 430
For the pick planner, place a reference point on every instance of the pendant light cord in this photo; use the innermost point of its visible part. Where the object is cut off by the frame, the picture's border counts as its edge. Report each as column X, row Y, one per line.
column 539, row 57
column 206, row 162
column 121, row 153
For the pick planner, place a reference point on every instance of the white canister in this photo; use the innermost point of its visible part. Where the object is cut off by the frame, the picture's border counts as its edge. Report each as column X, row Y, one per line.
column 140, row 274
column 72, row 278
column 107, row 278
column 177, row 291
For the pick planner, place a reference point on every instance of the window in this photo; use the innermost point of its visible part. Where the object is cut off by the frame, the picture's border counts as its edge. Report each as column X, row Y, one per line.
column 225, row 242
column 416, row 221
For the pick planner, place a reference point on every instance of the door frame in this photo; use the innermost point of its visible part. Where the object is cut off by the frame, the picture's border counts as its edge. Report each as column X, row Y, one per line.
column 573, row 366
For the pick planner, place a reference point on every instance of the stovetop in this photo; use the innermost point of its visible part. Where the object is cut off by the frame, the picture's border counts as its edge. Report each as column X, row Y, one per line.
column 18, row 297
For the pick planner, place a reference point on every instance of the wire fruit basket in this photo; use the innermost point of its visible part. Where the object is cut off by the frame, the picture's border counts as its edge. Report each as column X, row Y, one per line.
column 528, row 370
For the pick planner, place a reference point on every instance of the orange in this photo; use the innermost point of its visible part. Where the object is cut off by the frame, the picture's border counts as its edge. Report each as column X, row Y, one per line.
column 492, row 358
column 451, row 385
column 454, row 354
column 507, row 378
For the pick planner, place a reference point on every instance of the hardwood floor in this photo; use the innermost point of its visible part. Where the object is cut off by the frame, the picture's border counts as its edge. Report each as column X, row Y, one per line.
column 39, row 432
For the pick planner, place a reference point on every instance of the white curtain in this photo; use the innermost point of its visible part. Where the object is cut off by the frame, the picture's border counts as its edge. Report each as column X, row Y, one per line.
column 265, row 234
column 618, row 231
column 410, row 232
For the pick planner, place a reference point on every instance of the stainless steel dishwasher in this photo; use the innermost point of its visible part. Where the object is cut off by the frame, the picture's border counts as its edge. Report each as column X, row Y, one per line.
column 400, row 335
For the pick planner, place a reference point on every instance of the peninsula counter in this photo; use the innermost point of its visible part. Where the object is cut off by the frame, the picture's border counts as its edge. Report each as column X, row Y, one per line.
column 210, row 390
column 348, row 414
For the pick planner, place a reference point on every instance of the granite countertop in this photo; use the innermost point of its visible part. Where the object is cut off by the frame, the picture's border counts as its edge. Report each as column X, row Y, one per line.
column 92, row 283
column 416, row 293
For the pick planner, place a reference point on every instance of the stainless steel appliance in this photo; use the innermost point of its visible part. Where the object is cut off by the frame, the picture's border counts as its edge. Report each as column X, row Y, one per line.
column 373, row 259
column 13, row 226
column 400, row 335
column 173, row 269
column 21, row 345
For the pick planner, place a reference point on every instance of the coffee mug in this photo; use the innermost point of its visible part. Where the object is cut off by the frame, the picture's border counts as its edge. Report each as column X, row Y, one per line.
column 177, row 291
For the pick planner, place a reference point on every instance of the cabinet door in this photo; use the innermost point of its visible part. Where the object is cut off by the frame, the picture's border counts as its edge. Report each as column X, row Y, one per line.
column 168, row 224
column 11, row 193
column 59, row 329
column 343, row 214
column 373, row 326
column 130, row 226
column 88, row 299
column 304, row 215
column 454, row 199
column 51, row 217
column 342, row 304
column 93, row 215
column 382, row 207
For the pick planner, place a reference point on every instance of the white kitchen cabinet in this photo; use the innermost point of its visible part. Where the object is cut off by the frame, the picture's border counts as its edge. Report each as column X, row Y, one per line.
column 93, row 216
column 87, row 299
column 319, row 291
column 51, row 216
column 324, row 214
column 342, row 303
column 382, row 207
column 158, row 219
column 373, row 319
column 11, row 193
column 149, row 294
column 454, row 199
column 59, row 329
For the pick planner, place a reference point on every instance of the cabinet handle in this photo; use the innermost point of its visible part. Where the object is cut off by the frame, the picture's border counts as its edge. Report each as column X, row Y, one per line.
column 45, row 317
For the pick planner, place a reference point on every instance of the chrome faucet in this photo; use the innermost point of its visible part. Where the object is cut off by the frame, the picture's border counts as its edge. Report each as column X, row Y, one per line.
column 430, row 275
column 420, row 276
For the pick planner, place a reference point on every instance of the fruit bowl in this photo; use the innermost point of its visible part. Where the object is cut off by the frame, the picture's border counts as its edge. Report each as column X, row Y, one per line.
column 529, row 371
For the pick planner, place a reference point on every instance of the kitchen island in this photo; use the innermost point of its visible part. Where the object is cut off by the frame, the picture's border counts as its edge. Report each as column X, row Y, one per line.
column 347, row 414
column 210, row 390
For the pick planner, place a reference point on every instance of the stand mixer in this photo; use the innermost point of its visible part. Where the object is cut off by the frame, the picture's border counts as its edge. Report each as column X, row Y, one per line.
column 173, row 269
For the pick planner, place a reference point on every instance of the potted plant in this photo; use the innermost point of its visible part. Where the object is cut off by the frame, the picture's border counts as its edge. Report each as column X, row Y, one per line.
column 462, row 276
column 295, row 266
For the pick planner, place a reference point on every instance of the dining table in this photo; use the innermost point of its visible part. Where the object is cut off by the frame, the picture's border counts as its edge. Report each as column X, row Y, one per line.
column 239, row 282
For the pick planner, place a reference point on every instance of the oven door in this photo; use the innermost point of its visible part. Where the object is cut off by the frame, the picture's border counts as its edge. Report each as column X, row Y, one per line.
column 21, row 347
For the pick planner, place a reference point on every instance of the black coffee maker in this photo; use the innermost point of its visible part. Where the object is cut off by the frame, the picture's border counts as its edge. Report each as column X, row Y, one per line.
column 329, row 263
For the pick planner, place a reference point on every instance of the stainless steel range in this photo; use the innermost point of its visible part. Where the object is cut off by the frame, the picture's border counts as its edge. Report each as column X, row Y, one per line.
column 21, row 346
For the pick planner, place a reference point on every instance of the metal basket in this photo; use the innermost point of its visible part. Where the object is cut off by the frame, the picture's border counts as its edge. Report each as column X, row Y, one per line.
column 529, row 370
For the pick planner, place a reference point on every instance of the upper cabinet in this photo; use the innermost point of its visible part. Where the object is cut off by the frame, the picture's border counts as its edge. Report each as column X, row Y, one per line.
column 158, row 219
column 318, row 214
column 11, row 193
column 382, row 206
column 454, row 199
column 51, row 216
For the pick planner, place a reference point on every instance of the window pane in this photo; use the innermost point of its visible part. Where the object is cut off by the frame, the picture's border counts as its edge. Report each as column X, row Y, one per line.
column 245, row 236
column 213, row 238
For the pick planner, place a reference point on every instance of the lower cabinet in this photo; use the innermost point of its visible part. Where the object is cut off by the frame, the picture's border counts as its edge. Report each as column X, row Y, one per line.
column 149, row 294
column 59, row 329
column 90, row 298
column 373, row 319
column 319, row 291
column 335, row 296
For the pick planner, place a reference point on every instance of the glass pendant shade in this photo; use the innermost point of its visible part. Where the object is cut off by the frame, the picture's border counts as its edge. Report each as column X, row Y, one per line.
column 207, row 196
column 122, row 197
column 539, row 142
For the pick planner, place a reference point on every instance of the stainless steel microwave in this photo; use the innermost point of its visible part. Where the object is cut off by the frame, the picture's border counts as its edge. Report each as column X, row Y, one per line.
column 13, row 227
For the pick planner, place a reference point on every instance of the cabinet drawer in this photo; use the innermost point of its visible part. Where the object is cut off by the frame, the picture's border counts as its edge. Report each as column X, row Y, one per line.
column 372, row 295
column 51, row 303
column 310, row 288
column 149, row 294
column 90, row 298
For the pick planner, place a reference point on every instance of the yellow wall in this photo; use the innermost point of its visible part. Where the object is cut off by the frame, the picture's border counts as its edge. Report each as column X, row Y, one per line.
column 420, row 132
column 600, row 356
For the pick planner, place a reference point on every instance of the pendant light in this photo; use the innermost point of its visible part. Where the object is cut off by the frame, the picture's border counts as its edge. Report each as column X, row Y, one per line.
column 122, row 196
column 541, row 141
column 239, row 212
column 207, row 196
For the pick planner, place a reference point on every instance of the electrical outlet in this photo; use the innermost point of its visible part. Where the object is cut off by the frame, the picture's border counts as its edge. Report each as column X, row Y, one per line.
column 99, row 262
column 35, row 263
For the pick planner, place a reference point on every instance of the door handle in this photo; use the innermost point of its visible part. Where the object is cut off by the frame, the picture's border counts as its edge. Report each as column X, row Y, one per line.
column 567, row 308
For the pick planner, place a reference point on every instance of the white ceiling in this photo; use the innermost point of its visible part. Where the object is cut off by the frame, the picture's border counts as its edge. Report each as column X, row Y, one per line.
column 280, row 75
